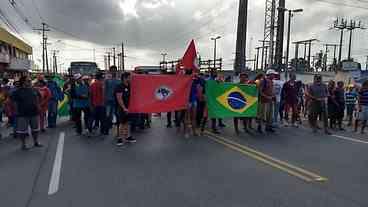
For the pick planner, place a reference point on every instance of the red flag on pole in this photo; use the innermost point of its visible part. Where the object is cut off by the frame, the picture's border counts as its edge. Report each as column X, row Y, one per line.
column 159, row 93
column 189, row 60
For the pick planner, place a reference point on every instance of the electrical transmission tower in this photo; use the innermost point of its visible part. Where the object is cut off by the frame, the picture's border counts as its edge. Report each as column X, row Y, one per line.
column 270, row 28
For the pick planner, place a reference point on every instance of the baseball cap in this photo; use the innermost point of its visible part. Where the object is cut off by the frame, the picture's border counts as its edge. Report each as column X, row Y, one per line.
column 77, row 76
column 271, row 72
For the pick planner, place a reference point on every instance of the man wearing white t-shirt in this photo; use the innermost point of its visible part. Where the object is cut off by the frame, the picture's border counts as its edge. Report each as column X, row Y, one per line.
column 277, row 88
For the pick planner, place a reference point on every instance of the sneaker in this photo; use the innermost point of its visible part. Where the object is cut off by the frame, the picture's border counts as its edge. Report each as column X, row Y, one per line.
column 328, row 133
column 131, row 140
column 24, row 148
column 120, row 142
column 295, row 125
column 215, row 131
column 222, row 125
column 270, row 130
column 38, row 145
column 259, row 130
column 169, row 126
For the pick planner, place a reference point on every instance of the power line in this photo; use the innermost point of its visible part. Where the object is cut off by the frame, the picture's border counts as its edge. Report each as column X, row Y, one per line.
column 342, row 4
column 38, row 11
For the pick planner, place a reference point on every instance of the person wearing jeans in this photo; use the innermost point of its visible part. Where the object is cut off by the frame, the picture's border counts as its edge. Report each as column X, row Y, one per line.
column 56, row 96
column 96, row 92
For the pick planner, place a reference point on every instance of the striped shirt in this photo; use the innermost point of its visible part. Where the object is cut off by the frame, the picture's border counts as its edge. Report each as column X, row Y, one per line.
column 363, row 97
column 350, row 98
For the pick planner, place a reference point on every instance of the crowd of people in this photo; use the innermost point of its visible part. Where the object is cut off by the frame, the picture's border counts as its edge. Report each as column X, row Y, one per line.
column 100, row 104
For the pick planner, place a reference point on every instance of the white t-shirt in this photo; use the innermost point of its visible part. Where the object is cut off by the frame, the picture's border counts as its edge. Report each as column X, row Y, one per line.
column 277, row 88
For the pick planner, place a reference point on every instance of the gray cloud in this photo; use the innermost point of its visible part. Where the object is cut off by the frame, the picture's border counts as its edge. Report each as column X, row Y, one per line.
column 151, row 26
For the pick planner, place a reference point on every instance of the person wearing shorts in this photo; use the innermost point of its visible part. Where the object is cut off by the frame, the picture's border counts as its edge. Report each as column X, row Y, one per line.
column 122, row 95
column 26, row 100
column 363, row 107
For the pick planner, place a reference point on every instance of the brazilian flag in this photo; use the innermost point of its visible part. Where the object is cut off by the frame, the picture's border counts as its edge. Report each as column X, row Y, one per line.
column 228, row 100
column 63, row 106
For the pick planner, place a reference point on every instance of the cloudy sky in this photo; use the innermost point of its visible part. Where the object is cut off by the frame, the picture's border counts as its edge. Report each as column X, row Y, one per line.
column 151, row 27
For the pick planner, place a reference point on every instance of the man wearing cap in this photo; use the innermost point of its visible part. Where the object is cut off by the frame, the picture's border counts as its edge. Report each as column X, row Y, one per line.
column 318, row 94
column 267, row 98
column 80, row 98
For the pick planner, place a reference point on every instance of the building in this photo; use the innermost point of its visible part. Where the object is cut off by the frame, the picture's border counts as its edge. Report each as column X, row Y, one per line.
column 14, row 53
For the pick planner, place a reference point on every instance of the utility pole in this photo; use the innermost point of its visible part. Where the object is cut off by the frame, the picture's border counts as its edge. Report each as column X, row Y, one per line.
column 164, row 60
column 257, row 58
column 109, row 59
column 114, row 55
column 351, row 27
column 241, row 39
column 280, row 35
column 215, row 50
column 340, row 25
column 122, row 61
column 44, row 29
column 263, row 58
column 55, row 68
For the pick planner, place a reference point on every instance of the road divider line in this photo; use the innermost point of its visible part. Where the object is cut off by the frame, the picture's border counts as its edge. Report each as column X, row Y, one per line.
column 56, row 170
column 350, row 139
column 284, row 166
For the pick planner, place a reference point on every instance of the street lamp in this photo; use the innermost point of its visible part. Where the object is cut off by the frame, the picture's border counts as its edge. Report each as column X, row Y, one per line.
column 214, row 52
column 291, row 12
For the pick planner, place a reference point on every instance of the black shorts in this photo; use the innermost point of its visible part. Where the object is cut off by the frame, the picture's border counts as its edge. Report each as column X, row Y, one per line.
column 123, row 117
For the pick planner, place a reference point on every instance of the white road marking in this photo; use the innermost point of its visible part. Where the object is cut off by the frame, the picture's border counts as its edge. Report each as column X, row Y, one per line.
column 350, row 139
column 55, row 176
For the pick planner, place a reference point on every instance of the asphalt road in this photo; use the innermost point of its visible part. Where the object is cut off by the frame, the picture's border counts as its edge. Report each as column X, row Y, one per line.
column 293, row 167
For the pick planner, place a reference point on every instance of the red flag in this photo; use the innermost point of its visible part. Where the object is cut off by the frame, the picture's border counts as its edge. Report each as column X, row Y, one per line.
column 189, row 60
column 159, row 93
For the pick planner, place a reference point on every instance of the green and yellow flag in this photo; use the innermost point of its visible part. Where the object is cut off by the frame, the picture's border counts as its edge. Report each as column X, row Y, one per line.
column 228, row 100
column 63, row 106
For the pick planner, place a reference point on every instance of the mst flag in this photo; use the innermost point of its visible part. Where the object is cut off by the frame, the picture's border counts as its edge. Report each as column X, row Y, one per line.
column 227, row 100
column 159, row 93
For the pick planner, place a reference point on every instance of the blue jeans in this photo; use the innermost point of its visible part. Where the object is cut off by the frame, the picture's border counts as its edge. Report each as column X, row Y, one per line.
column 52, row 113
column 276, row 110
column 110, row 112
column 99, row 119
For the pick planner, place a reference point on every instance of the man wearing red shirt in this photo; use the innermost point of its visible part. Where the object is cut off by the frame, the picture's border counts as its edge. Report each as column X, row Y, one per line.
column 290, row 90
column 98, row 104
column 44, row 102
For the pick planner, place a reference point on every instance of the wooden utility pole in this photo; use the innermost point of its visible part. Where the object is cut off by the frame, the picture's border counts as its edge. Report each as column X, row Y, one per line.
column 44, row 29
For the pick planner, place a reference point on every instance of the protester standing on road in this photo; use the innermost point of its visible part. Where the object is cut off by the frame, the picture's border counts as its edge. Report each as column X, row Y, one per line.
column 122, row 94
column 363, row 107
column 277, row 88
column 317, row 94
column 27, row 102
column 110, row 101
column 340, row 100
column 332, row 104
column 45, row 96
column 267, row 98
column 290, row 97
column 243, row 79
column 80, row 98
column 350, row 102
column 56, row 96
column 98, row 104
